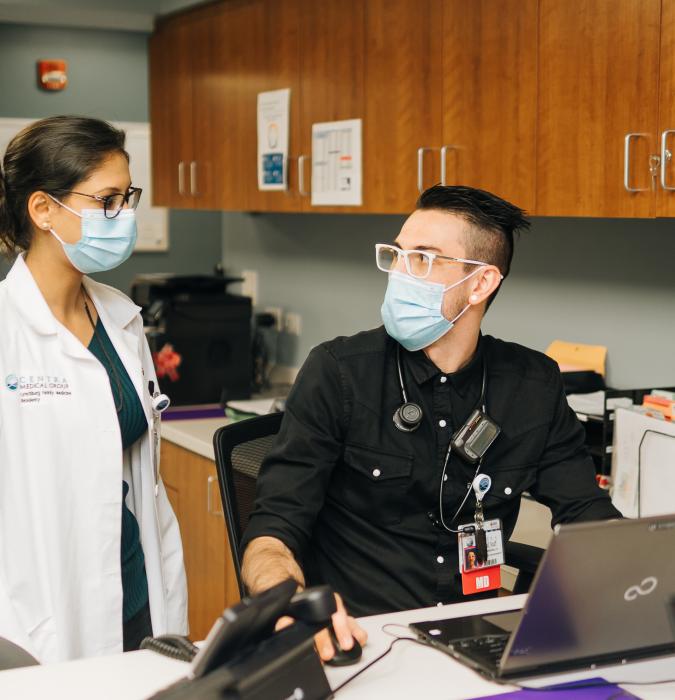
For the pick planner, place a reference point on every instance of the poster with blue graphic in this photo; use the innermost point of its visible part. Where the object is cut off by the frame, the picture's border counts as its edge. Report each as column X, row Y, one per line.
column 273, row 118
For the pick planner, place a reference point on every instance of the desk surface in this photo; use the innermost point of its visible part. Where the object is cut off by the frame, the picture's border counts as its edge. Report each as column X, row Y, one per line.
column 409, row 671
column 194, row 435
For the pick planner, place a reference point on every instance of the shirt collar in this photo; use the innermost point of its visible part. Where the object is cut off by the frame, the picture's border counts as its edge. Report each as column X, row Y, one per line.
column 423, row 369
column 28, row 299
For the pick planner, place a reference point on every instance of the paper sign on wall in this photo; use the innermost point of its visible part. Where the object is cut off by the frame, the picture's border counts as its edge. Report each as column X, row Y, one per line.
column 336, row 163
column 273, row 118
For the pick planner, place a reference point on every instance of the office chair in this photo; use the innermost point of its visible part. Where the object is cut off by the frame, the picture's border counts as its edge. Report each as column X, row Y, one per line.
column 240, row 449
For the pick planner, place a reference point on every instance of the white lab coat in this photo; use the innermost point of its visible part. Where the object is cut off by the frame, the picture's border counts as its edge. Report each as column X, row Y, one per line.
column 61, row 471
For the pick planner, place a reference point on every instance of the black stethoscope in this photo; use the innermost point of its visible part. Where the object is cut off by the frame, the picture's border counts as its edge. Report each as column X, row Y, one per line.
column 408, row 417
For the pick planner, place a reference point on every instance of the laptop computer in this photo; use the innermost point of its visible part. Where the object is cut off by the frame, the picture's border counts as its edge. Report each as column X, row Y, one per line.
column 601, row 595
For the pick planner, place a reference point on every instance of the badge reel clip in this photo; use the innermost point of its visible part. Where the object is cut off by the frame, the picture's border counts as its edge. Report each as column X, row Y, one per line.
column 481, row 485
column 160, row 402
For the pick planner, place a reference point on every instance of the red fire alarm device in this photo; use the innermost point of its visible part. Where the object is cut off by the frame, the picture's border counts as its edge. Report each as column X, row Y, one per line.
column 52, row 74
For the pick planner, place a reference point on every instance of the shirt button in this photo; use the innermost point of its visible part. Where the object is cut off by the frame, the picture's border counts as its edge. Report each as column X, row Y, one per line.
column 376, row 473
column 508, row 490
column 442, row 423
column 445, row 477
column 440, row 560
column 443, row 380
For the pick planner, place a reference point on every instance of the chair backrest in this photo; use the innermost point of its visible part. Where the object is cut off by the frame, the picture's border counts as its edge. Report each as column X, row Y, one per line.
column 240, row 449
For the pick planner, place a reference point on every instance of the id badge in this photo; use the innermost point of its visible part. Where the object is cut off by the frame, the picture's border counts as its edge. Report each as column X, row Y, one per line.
column 480, row 574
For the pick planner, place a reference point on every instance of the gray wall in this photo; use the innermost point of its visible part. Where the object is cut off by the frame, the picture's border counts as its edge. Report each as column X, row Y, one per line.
column 601, row 281
column 108, row 79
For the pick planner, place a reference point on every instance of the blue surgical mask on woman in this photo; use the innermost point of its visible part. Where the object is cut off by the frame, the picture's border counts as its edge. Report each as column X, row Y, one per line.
column 412, row 310
column 104, row 243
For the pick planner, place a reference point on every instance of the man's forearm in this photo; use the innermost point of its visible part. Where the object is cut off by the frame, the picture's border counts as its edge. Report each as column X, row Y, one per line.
column 268, row 561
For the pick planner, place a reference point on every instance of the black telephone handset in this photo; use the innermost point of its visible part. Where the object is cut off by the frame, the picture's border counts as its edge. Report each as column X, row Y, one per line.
column 244, row 657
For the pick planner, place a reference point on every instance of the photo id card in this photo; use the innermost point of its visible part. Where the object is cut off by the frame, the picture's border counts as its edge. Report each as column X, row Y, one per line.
column 481, row 555
column 471, row 557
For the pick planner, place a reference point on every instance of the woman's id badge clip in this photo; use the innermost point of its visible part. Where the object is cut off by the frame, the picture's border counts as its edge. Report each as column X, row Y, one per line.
column 480, row 546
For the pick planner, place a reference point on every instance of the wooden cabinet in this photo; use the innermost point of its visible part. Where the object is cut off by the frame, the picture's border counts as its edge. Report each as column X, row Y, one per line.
column 331, row 76
column 665, row 205
column 490, row 96
column 403, row 102
column 557, row 105
column 180, row 93
column 598, row 88
column 192, row 486
column 275, row 66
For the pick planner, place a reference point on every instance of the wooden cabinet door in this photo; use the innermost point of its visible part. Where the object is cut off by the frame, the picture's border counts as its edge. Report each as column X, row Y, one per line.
column 666, row 195
column 274, row 46
column 179, row 113
column 236, row 30
column 332, row 66
column 199, row 171
column 598, row 82
column 490, row 96
column 160, row 135
column 192, row 486
column 403, row 98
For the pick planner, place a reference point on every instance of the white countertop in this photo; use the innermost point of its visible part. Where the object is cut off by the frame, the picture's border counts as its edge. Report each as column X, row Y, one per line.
column 411, row 671
column 195, row 435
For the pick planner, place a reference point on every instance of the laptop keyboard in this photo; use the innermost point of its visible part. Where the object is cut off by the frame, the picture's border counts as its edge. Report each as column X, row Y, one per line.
column 487, row 650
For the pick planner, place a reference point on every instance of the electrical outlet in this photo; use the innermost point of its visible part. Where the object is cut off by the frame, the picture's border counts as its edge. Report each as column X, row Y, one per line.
column 249, row 287
column 278, row 314
column 292, row 323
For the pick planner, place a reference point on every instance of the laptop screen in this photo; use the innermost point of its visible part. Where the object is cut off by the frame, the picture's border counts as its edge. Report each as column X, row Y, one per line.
column 603, row 590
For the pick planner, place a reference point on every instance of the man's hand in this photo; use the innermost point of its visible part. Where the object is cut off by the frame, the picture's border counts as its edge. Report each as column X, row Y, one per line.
column 346, row 630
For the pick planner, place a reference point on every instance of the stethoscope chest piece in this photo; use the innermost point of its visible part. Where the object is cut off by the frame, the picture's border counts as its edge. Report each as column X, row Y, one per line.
column 408, row 417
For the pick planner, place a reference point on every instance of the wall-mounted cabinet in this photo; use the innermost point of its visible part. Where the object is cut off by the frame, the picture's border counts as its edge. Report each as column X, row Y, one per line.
column 598, row 107
column 383, row 61
column 180, row 61
column 564, row 107
column 490, row 96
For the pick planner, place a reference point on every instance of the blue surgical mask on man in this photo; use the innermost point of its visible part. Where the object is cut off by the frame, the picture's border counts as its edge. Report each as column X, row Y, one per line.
column 412, row 310
column 104, row 243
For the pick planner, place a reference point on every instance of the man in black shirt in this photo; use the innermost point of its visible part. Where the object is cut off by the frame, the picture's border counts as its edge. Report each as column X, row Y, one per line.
column 348, row 498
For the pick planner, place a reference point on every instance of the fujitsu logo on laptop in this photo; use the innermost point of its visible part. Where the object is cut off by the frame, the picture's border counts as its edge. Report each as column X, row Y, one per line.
column 647, row 586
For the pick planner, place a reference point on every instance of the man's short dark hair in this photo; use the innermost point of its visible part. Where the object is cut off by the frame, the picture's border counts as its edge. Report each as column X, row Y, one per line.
column 492, row 221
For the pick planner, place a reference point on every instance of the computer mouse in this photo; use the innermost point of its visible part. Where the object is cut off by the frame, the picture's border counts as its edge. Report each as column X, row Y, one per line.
column 14, row 656
column 343, row 657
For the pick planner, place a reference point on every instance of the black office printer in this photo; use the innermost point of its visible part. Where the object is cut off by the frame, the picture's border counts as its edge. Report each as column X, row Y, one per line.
column 199, row 334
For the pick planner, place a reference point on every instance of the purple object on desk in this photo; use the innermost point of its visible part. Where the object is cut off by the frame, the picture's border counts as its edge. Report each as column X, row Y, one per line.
column 578, row 690
column 207, row 410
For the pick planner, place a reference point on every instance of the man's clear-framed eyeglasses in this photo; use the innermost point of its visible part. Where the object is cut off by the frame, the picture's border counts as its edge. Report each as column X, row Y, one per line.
column 418, row 263
column 114, row 203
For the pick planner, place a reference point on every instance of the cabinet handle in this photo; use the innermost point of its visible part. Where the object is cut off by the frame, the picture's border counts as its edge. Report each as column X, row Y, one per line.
column 209, row 497
column 666, row 155
column 193, row 178
column 626, row 163
column 420, row 166
column 181, row 178
column 444, row 158
column 301, row 176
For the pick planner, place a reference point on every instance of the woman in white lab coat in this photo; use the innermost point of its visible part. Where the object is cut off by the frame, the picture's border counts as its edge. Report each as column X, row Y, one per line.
column 90, row 552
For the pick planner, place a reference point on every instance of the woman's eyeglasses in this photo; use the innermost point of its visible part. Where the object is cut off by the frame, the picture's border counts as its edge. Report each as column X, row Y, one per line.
column 114, row 203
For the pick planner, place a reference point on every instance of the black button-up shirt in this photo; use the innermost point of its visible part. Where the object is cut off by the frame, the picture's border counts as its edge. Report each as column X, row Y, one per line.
column 357, row 500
